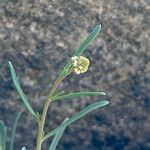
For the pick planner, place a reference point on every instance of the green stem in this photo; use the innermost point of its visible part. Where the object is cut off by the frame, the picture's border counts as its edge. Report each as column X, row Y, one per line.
column 45, row 110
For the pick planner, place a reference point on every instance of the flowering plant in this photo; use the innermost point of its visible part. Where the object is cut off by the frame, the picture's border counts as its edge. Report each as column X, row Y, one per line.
column 78, row 64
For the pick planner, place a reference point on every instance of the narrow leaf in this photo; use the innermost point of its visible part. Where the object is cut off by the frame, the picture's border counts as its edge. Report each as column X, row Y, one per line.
column 77, row 94
column 14, row 129
column 20, row 91
column 57, row 136
column 84, row 45
column 77, row 116
column 59, row 93
column 88, row 40
column 2, row 136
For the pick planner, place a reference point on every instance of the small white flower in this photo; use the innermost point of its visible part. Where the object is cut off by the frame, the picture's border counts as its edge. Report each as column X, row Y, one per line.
column 80, row 64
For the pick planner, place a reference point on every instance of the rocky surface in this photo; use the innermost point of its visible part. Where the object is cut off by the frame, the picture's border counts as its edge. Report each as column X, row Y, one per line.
column 39, row 36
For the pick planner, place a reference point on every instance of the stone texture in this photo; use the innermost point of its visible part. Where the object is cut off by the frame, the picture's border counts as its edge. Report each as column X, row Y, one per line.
column 39, row 36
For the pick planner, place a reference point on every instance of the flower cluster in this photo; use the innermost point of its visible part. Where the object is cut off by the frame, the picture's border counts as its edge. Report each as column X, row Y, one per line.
column 80, row 64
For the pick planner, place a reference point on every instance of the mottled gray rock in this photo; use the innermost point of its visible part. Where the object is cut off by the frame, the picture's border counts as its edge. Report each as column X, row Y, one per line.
column 39, row 37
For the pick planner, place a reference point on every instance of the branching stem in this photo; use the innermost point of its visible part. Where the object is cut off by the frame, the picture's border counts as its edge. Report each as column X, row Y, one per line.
column 45, row 110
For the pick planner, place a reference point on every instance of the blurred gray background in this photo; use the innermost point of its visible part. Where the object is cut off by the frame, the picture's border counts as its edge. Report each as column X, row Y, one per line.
column 40, row 36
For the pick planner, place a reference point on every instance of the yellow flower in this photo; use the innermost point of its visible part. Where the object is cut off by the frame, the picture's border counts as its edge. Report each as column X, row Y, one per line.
column 80, row 64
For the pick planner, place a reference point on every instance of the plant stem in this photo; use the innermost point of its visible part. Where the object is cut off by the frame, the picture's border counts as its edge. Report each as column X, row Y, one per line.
column 45, row 110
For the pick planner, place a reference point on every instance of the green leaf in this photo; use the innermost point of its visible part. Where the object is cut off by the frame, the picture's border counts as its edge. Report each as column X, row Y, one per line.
column 88, row 40
column 20, row 91
column 83, row 46
column 77, row 116
column 59, row 93
column 77, row 94
column 58, row 136
column 2, row 136
column 14, row 129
